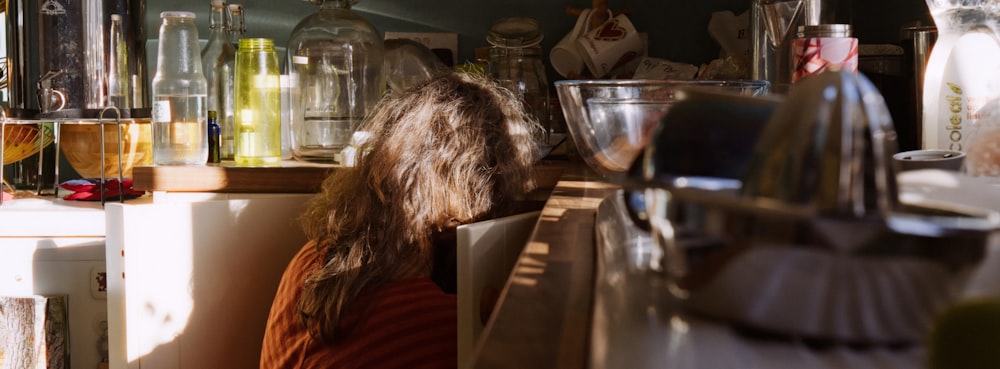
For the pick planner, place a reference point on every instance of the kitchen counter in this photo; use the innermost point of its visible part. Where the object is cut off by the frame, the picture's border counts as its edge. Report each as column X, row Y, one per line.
column 546, row 313
column 543, row 318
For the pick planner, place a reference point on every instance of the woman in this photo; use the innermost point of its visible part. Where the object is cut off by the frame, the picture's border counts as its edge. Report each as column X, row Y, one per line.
column 454, row 150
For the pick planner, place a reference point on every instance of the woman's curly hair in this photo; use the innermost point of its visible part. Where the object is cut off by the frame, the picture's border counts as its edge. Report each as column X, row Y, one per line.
column 451, row 151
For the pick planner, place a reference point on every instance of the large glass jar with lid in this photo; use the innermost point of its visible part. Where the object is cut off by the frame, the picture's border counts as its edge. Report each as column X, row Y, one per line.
column 515, row 61
column 335, row 70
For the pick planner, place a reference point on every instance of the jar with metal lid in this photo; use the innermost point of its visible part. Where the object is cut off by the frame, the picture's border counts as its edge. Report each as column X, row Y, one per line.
column 824, row 30
column 515, row 61
column 820, row 47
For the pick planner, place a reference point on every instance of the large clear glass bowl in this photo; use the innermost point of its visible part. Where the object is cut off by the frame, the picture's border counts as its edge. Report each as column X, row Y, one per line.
column 611, row 121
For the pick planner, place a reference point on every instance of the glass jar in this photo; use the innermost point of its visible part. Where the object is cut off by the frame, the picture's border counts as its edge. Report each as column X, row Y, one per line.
column 179, row 114
column 258, row 103
column 219, row 64
column 335, row 69
column 515, row 61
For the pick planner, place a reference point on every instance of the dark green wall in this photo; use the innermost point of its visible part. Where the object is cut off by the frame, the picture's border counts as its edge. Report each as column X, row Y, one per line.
column 677, row 28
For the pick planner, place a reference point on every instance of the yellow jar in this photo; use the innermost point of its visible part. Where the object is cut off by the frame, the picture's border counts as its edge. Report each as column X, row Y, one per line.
column 257, row 103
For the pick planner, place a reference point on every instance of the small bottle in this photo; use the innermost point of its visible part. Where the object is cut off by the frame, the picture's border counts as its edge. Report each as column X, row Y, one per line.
column 214, row 133
column 118, row 81
column 258, row 103
column 219, row 64
column 179, row 111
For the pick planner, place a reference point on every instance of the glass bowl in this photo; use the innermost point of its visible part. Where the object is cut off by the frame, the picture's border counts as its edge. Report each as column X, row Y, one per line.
column 611, row 121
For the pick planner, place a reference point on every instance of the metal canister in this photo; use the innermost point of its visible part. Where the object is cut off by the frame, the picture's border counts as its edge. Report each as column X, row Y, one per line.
column 822, row 46
column 57, row 56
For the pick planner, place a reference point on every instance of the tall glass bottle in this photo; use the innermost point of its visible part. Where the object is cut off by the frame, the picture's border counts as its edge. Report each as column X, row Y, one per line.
column 219, row 64
column 335, row 67
column 237, row 24
column 179, row 94
column 118, row 81
column 258, row 103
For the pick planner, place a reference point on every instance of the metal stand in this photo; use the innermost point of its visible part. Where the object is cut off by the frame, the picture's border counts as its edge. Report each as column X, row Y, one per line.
column 56, row 129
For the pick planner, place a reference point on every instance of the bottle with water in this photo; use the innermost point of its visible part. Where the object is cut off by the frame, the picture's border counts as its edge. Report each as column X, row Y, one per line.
column 219, row 64
column 180, row 91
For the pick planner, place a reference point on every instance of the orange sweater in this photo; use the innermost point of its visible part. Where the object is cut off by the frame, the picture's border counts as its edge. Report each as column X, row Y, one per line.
column 410, row 324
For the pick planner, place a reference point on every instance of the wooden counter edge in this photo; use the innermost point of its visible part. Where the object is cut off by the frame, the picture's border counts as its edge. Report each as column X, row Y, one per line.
column 290, row 177
column 543, row 317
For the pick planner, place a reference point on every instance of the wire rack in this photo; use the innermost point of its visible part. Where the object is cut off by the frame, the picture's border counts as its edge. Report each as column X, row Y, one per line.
column 101, row 120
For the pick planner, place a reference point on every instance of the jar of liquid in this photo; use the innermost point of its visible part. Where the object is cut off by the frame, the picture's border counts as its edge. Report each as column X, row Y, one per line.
column 257, row 103
column 180, row 91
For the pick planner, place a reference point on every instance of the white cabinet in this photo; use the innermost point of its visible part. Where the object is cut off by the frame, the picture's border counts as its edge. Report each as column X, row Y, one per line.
column 191, row 281
column 52, row 247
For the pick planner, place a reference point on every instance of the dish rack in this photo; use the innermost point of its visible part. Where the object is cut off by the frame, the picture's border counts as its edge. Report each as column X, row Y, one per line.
column 102, row 119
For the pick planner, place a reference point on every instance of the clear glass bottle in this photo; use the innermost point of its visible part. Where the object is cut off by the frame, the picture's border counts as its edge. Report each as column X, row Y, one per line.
column 237, row 24
column 515, row 61
column 219, row 64
column 335, row 67
column 118, row 81
column 258, row 103
column 179, row 92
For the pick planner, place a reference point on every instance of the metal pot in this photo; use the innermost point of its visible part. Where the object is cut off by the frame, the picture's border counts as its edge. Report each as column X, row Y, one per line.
column 814, row 243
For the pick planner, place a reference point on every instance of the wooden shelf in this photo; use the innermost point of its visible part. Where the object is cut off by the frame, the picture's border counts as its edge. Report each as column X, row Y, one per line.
column 288, row 177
